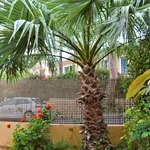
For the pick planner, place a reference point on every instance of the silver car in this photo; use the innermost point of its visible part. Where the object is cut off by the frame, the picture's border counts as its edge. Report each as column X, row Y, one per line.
column 18, row 107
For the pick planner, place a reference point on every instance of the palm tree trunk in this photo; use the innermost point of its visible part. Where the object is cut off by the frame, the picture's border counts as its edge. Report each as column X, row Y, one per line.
column 113, row 74
column 94, row 129
column 60, row 63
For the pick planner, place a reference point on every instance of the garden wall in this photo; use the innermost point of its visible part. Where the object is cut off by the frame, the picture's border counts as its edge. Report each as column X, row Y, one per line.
column 69, row 133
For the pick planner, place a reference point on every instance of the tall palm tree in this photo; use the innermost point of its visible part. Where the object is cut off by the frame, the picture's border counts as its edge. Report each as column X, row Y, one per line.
column 83, row 29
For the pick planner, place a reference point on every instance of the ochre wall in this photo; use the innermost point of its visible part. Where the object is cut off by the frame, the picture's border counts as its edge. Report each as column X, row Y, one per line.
column 69, row 133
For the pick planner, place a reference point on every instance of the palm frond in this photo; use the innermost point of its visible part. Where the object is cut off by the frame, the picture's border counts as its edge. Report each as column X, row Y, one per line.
column 25, row 30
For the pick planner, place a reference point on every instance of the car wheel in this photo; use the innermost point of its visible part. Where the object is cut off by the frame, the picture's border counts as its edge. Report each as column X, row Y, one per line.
column 28, row 115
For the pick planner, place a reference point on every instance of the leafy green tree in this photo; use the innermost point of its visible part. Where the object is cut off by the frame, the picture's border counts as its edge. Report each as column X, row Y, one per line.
column 138, row 61
column 84, row 29
column 138, row 125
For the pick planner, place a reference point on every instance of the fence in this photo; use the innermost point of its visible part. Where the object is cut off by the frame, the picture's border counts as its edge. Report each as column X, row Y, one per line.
column 61, row 94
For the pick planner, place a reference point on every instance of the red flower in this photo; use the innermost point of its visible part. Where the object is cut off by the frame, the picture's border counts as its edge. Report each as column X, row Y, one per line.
column 8, row 125
column 40, row 115
column 34, row 117
column 48, row 107
column 38, row 111
column 22, row 119
column 38, row 118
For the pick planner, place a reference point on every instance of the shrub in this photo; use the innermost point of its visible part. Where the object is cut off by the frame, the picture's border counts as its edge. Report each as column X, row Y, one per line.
column 37, row 136
column 138, row 125
column 125, row 82
column 102, row 73
column 61, row 145
column 68, row 75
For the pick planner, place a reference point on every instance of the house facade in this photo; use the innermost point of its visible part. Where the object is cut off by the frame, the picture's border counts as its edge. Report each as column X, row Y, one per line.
column 116, row 65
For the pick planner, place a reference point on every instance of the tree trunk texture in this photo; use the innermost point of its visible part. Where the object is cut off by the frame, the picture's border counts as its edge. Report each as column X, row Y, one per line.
column 60, row 63
column 111, row 87
column 113, row 72
column 94, row 130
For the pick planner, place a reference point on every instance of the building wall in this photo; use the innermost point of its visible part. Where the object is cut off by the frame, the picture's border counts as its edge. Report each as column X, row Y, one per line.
column 117, row 64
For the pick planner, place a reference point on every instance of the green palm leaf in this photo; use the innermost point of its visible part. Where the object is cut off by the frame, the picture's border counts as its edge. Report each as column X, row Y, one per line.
column 24, row 33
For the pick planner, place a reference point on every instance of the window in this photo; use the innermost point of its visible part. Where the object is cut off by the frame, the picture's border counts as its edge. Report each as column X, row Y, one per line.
column 123, row 65
column 105, row 64
column 66, row 69
column 70, row 68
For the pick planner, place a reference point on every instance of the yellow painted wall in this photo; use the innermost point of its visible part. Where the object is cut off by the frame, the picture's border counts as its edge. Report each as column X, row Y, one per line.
column 69, row 133
column 6, row 134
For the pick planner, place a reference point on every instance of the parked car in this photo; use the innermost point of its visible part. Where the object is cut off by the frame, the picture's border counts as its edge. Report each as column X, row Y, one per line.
column 18, row 107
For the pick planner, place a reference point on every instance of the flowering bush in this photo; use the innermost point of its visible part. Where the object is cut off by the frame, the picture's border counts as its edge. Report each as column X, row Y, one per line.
column 41, row 115
column 8, row 125
column 48, row 107
column 39, row 111
column 37, row 136
column 22, row 120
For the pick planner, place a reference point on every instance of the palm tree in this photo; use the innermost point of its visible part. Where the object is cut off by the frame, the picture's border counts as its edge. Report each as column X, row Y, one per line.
column 11, row 69
column 83, row 29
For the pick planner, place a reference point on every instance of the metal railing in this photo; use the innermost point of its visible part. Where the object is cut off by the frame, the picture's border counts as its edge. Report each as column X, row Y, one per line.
column 61, row 94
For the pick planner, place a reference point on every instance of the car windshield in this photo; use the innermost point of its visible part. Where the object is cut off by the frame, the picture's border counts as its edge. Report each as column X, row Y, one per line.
column 23, row 101
column 10, row 102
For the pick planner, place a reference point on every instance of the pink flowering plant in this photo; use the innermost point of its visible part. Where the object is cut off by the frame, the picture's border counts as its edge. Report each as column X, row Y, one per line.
column 37, row 136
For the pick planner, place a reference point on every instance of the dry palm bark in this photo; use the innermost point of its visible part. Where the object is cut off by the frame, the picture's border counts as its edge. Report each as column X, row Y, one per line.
column 94, row 129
